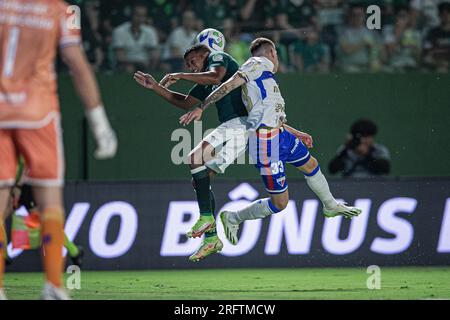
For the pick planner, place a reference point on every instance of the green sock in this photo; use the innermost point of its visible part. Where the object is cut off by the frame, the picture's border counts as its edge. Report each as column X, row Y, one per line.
column 70, row 246
column 202, row 189
column 213, row 207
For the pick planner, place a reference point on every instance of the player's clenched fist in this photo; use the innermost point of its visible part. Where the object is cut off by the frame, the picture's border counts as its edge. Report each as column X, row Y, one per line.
column 145, row 80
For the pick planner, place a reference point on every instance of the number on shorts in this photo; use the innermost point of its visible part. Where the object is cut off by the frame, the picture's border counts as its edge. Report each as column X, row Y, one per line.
column 277, row 167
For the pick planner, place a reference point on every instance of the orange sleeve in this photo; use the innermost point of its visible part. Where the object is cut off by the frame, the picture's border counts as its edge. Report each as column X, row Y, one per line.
column 69, row 20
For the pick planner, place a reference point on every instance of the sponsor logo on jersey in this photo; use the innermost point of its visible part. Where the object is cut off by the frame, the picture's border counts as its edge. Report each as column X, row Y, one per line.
column 281, row 181
column 295, row 146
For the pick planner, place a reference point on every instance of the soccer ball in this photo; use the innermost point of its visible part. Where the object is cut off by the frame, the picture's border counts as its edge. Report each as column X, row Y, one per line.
column 213, row 38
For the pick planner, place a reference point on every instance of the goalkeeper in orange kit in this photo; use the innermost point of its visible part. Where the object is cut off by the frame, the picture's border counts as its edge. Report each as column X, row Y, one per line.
column 30, row 118
column 21, row 196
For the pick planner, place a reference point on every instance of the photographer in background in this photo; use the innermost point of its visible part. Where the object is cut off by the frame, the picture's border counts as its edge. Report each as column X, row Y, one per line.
column 361, row 157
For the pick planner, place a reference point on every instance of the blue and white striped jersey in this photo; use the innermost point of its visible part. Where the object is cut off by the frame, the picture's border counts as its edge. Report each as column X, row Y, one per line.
column 261, row 94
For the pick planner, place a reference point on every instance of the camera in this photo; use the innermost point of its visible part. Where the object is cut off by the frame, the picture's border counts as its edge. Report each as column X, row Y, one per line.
column 355, row 141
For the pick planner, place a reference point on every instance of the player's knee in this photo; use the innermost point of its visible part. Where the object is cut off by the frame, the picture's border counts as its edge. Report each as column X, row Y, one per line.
column 311, row 165
column 195, row 160
column 280, row 203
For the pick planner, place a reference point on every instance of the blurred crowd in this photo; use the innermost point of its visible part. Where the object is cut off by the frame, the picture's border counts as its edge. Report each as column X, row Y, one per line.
column 313, row 36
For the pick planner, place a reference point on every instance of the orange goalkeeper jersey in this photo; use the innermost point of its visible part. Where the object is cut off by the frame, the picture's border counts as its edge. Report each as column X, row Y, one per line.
column 30, row 33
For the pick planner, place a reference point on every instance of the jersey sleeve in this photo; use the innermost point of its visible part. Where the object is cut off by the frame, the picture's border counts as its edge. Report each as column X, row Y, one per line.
column 217, row 59
column 199, row 92
column 382, row 152
column 254, row 67
column 117, row 39
column 69, row 25
column 151, row 39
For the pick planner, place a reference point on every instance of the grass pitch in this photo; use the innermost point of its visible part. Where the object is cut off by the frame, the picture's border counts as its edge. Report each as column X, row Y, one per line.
column 242, row 284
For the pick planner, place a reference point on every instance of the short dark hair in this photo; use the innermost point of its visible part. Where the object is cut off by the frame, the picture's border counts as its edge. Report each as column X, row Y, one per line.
column 356, row 5
column 444, row 7
column 364, row 128
column 259, row 43
column 196, row 48
column 402, row 8
column 138, row 4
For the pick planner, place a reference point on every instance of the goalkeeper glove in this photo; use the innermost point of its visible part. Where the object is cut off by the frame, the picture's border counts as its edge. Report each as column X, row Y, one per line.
column 104, row 135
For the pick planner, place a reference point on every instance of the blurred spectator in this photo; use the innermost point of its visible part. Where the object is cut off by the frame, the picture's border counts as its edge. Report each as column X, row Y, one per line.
column 361, row 157
column 287, row 34
column 329, row 12
column 92, row 38
column 112, row 14
column 282, row 21
column 213, row 12
column 235, row 45
column 179, row 40
column 390, row 9
column 425, row 13
column 282, row 52
column 402, row 41
column 115, row 12
column 300, row 13
column 165, row 16
column 330, row 15
column 437, row 42
column 358, row 48
column 310, row 55
column 334, row 45
column 253, row 12
column 135, row 43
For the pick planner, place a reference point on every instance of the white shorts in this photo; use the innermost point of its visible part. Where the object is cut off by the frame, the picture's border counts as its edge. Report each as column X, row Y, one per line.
column 230, row 142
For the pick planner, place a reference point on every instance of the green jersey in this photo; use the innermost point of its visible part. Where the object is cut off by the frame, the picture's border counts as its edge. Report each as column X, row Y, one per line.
column 230, row 106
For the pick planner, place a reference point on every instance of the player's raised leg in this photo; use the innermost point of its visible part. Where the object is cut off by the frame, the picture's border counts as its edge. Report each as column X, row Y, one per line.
column 206, row 224
column 319, row 185
column 202, row 185
column 258, row 209
column 234, row 134
column 273, row 175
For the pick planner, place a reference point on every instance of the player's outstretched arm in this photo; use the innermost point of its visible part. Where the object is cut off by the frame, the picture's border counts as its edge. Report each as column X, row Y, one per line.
column 234, row 82
column 303, row 136
column 87, row 88
column 177, row 99
column 211, row 77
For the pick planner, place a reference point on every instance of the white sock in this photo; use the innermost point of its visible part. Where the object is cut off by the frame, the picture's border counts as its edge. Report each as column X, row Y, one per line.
column 256, row 210
column 319, row 185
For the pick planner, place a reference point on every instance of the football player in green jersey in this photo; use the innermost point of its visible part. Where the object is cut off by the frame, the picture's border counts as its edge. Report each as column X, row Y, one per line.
column 222, row 146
